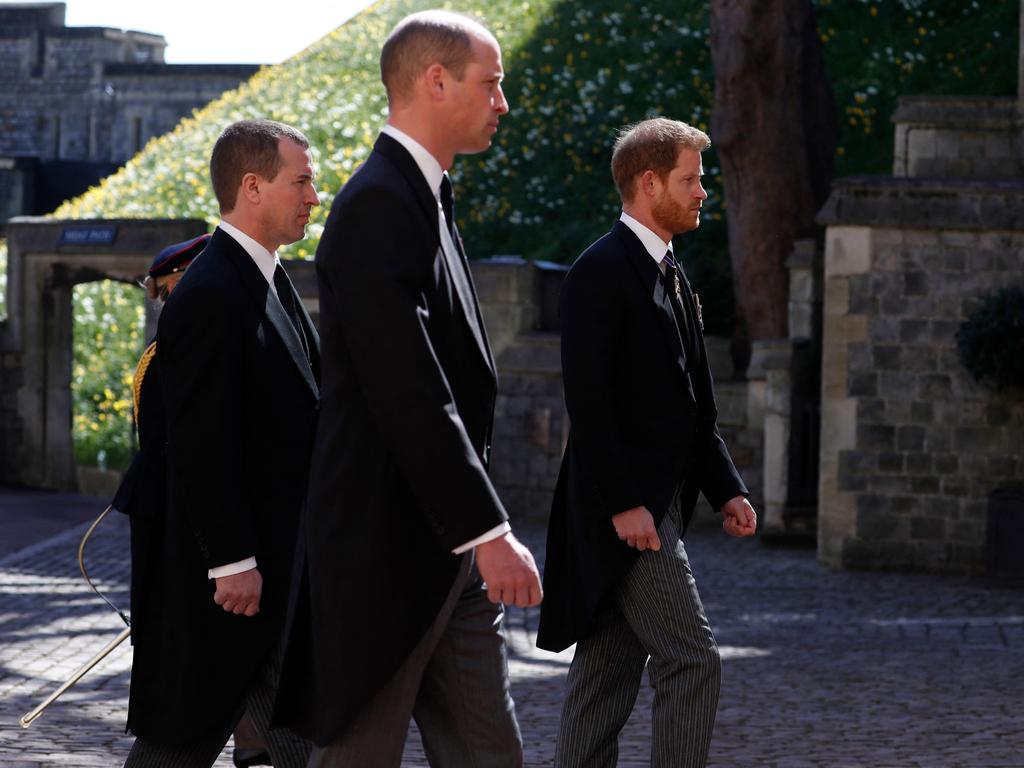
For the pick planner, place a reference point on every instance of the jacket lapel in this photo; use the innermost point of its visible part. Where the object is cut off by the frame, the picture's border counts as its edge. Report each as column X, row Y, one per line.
column 650, row 277
column 259, row 289
column 452, row 256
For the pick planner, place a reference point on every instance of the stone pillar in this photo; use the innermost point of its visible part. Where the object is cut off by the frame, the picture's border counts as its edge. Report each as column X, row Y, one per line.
column 847, row 254
column 773, row 358
column 790, row 403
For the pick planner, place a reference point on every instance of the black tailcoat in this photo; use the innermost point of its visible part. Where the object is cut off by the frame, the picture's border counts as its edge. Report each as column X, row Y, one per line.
column 143, row 487
column 642, row 415
column 239, row 402
column 399, row 468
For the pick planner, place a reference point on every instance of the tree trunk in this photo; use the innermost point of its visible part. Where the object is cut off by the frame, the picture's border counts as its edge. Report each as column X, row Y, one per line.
column 775, row 127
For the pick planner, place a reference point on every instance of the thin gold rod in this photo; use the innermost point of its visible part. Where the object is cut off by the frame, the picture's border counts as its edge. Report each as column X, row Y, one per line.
column 85, row 572
column 26, row 721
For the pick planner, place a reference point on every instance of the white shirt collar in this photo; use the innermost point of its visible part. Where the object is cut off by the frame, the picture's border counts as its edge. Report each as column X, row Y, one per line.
column 426, row 162
column 652, row 242
column 264, row 259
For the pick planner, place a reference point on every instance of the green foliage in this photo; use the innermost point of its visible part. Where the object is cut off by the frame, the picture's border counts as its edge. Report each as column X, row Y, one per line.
column 878, row 50
column 576, row 72
column 991, row 339
column 109, row 320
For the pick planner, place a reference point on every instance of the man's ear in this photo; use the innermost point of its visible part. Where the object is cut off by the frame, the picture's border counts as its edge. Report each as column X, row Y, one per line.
column 435, row 77
column 250, row 188
column 648, row 184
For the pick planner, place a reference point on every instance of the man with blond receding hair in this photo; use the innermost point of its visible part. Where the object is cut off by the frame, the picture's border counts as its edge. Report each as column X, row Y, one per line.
column 642, row 445
column 410, row 553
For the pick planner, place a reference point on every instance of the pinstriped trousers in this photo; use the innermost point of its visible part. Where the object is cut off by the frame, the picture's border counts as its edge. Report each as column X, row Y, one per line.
column 286, row 749
column 658, row 616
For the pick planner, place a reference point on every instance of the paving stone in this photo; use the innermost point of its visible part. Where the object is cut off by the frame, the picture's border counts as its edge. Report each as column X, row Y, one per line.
column 821, row 669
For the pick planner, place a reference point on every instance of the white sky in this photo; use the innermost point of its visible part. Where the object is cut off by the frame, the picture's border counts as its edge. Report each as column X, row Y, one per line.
column 220, row 31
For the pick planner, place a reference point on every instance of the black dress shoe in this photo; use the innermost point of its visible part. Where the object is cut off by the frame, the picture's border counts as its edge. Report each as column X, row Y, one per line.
column 243, row 758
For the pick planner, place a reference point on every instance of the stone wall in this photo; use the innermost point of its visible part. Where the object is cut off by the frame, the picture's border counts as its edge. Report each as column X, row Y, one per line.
column 956, row 137
column 911, row 445
column 530, row 424
column 91, row 94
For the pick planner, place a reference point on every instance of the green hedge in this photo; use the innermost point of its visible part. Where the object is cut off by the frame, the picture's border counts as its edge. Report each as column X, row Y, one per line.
column 575, row 73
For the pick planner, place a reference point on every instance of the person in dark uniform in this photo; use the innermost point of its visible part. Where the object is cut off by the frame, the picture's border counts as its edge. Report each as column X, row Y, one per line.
column 140, row 495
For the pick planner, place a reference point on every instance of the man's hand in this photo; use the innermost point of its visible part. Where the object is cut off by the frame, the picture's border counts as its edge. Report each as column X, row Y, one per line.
column 740, row 518
column 509, row 571
column 240, row 593
column 636, row 527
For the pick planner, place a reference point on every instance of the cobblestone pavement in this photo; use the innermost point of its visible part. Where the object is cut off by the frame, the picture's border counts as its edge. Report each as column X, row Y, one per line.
column 822, row 669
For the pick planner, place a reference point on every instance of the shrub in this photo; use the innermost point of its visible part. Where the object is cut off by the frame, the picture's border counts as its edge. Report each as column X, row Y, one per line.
column 991, row 339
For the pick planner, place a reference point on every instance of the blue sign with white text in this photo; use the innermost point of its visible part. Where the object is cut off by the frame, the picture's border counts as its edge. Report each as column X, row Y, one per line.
column 96, row 234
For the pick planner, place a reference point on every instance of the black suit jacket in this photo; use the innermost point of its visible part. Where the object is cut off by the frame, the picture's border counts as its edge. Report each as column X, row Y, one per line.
column 399, row 469
column 240, row 401
column 642, row 417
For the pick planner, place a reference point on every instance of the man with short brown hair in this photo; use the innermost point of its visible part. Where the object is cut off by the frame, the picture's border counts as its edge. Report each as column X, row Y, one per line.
column 239, row 373
column 642, row 445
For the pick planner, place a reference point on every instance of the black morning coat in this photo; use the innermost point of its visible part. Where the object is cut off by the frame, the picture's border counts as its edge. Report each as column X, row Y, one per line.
column 232, row 397
column 399, row 468
column 642, row 419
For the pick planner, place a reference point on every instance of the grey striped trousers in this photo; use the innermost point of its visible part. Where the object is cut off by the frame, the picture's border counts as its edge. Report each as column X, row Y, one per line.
column 286, row 749
column 657, row 615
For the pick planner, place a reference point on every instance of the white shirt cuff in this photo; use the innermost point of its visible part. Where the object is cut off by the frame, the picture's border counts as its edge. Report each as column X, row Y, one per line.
column 494, row 533
column 232, row 568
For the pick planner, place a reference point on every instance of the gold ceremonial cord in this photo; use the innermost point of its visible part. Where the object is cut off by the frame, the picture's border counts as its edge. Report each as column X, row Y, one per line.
column 140, row 374
column 29, row 717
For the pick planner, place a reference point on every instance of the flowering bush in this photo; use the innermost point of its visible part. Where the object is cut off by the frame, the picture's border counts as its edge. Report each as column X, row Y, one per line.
column 576, row 72
column 107, row 338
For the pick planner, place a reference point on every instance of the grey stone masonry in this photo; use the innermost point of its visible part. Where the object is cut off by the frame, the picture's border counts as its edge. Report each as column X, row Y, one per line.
column 870, row 669
column 530, row 422
column 46, row 258
column 911, row 445
column 956, row 137
column 89, row 94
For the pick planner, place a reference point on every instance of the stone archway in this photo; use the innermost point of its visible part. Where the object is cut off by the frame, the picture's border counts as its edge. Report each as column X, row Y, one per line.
column 46, row 259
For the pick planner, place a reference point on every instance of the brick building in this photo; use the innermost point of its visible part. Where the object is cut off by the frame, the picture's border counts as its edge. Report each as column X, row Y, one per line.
column 77, row 102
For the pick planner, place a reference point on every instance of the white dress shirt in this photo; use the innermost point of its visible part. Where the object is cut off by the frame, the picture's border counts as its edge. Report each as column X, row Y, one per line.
column 433, row 173
column 652, row 242
column 266, row 262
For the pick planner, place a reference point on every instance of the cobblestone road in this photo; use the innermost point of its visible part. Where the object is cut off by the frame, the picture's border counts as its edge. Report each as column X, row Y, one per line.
column 822, row 669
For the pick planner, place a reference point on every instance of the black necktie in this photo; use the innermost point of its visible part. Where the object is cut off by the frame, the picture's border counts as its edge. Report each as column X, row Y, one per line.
column 287, row 299
column 448, row 204
column 675, row 285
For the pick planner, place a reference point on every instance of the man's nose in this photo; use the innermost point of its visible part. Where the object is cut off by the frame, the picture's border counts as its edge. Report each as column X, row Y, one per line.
column 501, row 107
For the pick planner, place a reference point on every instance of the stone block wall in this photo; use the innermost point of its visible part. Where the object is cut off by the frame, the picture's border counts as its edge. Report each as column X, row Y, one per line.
column 91, row 94
column 530, row 422
column 11, row 422
column 956, row 136
column 911, row 445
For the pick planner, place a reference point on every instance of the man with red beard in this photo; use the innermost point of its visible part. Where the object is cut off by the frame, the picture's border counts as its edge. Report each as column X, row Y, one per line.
column 643, row 444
